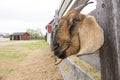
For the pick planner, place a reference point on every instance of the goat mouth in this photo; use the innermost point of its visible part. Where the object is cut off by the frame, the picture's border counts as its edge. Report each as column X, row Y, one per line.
column 60, row 57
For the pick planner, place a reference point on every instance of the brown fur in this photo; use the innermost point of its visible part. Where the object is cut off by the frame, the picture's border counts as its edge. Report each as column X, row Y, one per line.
column 87, row 40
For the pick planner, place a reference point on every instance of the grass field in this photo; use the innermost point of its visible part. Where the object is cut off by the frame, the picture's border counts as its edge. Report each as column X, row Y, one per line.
column 13, row 52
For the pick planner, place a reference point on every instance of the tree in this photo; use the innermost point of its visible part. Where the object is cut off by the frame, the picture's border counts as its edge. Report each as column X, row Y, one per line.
column 6, row 35
column 35, row 34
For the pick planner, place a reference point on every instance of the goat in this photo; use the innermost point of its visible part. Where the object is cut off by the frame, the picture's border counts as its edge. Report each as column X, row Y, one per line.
column 77, row 34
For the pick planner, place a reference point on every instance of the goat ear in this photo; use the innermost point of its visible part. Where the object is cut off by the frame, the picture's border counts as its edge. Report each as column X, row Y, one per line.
column 91, row 36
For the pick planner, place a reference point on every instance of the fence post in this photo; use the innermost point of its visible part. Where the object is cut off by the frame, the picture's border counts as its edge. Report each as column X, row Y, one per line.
column 108, row 16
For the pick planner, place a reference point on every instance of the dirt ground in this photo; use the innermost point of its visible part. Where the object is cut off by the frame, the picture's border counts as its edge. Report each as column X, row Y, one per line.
column 37, row 66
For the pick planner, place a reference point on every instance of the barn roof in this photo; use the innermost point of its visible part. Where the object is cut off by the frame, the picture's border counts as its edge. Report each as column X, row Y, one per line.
column 19, row 33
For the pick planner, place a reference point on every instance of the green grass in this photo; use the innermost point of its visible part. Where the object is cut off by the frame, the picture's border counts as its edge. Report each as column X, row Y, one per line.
column 19, row 50
column 34, row 45
column 13, row 52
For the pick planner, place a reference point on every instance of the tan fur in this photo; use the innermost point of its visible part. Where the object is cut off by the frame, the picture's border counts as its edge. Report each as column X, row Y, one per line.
column 91, row 35
column 86, row 40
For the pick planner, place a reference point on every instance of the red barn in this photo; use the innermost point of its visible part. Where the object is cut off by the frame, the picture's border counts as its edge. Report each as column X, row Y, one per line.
column 20, row 36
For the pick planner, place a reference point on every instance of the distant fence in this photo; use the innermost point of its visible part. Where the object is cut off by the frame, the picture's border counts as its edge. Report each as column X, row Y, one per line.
column 107, row 61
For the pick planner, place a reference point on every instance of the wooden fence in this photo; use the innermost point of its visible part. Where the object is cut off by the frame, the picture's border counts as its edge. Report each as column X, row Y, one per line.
column 107, row 61
column 108, row 17
column 74, row 72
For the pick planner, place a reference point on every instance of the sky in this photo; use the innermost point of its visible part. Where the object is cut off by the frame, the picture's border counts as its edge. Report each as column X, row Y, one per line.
column 20, row 15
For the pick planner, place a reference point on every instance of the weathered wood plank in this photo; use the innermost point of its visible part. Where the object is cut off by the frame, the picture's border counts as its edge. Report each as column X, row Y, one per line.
column 108, row 16
column 64, row 74
column 76, row 73
column 92, row 59
column 64, row 5
column 116, row 13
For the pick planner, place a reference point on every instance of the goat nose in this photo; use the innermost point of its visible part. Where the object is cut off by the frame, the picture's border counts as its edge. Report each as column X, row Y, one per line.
column 62, row 55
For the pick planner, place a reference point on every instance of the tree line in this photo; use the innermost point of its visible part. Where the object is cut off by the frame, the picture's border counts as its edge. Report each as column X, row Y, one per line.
column 34, row 34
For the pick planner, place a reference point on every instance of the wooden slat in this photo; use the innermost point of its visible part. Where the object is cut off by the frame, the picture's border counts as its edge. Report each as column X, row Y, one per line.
column 108, row 16
column 92, row 59
column 76, row 73
column 64, row 6
column 62, row 2
column 64, row 74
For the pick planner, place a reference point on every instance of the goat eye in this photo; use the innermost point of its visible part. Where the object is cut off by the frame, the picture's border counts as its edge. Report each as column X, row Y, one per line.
column 76, row 20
